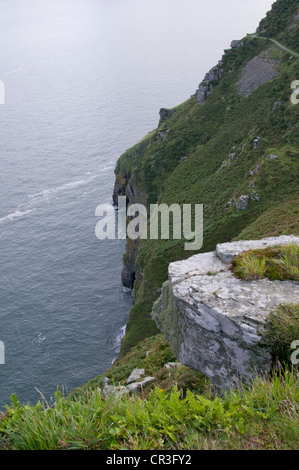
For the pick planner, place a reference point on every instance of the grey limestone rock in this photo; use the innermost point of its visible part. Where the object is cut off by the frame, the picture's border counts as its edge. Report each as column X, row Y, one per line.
column 105, row 381
column 228, row 251
column 214, row 321
column 237, row 43
column 242, row 202
column 205, row 87
column 136, row 374
column 137, row 386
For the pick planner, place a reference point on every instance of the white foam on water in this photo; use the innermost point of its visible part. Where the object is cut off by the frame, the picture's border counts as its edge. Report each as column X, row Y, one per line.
column 39, row 339
column 13, row 71
column 120, row 336
column 47, row 193
column 16, row 215
column 126, row 289
column 118, row 339
column 64, row 187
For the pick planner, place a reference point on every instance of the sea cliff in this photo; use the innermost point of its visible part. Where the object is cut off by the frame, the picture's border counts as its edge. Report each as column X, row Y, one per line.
column 232, row 146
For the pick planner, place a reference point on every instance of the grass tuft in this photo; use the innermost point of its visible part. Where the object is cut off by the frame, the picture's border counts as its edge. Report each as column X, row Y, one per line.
column 276, row 263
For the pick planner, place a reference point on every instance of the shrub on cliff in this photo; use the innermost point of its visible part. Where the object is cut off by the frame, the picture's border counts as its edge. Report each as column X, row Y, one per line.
column 281, row 330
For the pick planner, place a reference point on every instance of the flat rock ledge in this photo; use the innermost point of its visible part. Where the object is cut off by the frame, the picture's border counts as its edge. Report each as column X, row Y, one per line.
column 214, row 321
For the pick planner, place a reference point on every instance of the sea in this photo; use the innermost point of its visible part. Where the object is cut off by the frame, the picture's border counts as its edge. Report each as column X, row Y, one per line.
column 82, row 81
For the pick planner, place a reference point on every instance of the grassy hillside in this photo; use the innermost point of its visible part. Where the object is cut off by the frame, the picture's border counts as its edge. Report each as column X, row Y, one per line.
column 186, row 160
column 279, row 23
column 234, row 144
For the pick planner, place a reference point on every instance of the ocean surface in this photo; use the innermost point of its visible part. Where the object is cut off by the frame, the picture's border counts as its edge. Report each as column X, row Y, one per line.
column 84, row 80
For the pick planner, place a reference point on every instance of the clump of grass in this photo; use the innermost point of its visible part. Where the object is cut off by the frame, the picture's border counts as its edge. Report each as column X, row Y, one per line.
column 290, row 260
column 281, row 329
column 250, row 267
column 276, row 263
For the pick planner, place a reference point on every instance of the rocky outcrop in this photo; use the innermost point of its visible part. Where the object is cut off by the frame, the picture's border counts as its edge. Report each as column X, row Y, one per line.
column 125, row 185
column 205, row 87
column 237, row 43
column 136, row 374
column 165, row 114
column 226, row 163
column 133, row 384
column 242, row 202
column 214, row 321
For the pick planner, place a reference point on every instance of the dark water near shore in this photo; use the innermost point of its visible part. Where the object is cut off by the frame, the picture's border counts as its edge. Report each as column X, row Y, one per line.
column 84, row 81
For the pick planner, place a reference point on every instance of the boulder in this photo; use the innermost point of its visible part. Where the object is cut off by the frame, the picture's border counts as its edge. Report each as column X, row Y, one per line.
column 135, row 375
column 214, row 321
column 137, row 386
column 242, row 202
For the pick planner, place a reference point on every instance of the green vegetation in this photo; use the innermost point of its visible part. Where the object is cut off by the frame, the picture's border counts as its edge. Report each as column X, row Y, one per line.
column 278, row 23
column 150, row 355
column 185, row 168
column 276, row 263
column 178, row 410
column 281, row 329
column 264, row 416
column 250, row 267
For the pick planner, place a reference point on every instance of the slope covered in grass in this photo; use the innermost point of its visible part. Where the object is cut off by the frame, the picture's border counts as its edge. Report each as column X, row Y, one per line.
column 265, row 416
column 230, row 149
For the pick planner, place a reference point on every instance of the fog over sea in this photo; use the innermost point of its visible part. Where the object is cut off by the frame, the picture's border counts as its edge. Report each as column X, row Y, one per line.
column 84, row 80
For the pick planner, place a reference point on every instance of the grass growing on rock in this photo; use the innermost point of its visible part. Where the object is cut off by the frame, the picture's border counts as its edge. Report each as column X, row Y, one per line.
column 275, row 263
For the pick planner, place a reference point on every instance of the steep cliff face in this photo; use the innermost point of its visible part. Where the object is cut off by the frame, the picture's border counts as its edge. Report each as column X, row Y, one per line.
column 233, row 149
column 126, row 185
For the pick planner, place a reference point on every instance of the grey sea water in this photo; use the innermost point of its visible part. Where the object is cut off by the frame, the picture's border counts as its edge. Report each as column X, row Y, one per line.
column 84, row 80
